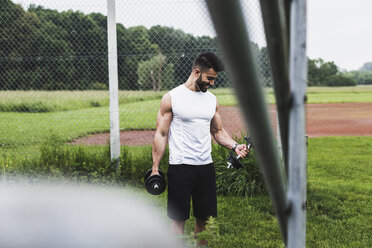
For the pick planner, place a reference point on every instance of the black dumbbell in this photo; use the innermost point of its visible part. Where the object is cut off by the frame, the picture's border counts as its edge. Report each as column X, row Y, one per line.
column 233, row 161
column 155, row 184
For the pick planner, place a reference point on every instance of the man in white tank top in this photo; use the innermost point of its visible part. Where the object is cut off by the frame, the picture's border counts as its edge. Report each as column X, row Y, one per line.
column 187, row 117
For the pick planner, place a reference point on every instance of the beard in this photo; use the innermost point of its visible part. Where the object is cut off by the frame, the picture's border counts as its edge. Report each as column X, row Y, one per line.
column 202, row 85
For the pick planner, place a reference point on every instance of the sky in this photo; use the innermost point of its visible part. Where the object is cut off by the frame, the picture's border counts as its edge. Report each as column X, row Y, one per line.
column 340, row 31
column 337, row 30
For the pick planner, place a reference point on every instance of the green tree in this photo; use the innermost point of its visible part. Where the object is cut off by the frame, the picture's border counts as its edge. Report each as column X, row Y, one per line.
column 361, row 77
column 169, row 40
column 72, row 45
column 155, row 74
column 319, row 70
column 17, row 35
column 339, row 80
column 134, row 47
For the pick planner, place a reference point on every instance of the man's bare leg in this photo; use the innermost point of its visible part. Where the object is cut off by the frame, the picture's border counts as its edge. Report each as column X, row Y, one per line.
column 199, row 227
column 178, row 227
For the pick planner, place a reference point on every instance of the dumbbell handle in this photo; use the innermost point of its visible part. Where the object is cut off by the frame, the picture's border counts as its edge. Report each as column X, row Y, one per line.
column 229, row 165
column 248, row 147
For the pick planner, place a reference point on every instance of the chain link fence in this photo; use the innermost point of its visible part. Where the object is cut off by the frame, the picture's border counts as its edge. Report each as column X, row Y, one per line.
column 54, row 66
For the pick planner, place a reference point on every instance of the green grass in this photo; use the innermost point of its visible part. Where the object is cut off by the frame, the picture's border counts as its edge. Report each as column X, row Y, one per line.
column 53, row 101
column 86, row 112
column 339, row 201
column 32, row 128
column 78, row 113
column 345, row 89
column 314, row 95
column 339, row 192
column 339, row 94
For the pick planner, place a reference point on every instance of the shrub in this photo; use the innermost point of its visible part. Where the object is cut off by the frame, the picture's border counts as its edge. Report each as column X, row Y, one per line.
column 211, row 233
column 361, row 77
column 339, row 80
column 94, row 104
column 28, row 107
column 57, row 160
column 246, row 181
column 99, row 86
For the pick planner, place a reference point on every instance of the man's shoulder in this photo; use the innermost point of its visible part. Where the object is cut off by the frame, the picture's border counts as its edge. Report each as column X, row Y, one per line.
column 166, row 102
column 176, row 91
column 211, row 95
column 178, row 88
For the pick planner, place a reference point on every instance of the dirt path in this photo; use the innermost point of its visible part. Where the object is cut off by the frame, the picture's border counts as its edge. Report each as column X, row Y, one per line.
column 338, row 119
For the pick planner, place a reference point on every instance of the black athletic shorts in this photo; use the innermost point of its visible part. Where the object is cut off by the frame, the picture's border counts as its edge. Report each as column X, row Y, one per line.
column 196, row 182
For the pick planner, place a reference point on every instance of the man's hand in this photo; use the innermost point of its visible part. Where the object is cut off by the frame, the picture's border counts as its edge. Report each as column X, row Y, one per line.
column 155, row 171
column 241, row 150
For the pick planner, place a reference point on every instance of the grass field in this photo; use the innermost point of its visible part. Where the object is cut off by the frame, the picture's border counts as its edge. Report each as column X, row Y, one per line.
column 339, row 200
column 27, row 117
column 339, row 197
column 53, row 101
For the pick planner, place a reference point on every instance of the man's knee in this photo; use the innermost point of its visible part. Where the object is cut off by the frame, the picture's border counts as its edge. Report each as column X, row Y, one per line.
column 178, row 226
column 201, row 222
column 200, row 225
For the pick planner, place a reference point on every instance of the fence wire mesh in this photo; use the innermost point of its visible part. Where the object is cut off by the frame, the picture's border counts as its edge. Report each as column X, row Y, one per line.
column 54, row 66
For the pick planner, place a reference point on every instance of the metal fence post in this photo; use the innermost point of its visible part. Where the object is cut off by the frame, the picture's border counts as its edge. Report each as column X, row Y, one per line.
column 276, row 31
column 297, row 139
column 113, row 83
column 234, row 40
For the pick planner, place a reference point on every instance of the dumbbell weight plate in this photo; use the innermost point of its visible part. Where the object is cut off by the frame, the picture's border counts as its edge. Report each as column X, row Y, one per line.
column 148, row 173
column 155, row 184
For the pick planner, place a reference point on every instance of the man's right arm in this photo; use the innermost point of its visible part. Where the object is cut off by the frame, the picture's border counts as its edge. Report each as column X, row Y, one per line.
column 163, row 122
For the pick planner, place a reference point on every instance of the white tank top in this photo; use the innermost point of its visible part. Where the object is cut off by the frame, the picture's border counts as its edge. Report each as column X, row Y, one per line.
column 189, row 134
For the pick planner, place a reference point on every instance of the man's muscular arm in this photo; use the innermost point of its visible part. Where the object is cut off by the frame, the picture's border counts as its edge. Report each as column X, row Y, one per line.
column 163, row 122
column 223, row 138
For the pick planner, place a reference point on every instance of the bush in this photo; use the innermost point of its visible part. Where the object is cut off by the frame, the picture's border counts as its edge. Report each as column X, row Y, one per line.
column 27, row 107
column 339, row 80
column 57, row 160
column 247, row 181
column 99, row 86
column 156, row 74
column 361, row 77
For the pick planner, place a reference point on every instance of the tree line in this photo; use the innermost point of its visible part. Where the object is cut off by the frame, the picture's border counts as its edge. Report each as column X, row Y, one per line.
column 50, row 50
column 322, row 73
column 43, row 49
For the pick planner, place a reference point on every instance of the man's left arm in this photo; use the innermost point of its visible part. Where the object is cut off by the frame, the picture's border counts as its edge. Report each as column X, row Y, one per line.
column 223, row 138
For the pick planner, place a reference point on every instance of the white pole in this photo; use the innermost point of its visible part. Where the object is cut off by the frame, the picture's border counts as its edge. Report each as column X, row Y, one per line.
column 278, row 137
column 297, row 124
column 113, row 83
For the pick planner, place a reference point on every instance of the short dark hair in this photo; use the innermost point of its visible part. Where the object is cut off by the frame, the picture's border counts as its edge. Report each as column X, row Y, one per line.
column 208, row 60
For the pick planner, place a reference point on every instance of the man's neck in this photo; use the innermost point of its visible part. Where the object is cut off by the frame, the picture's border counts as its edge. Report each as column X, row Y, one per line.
column 191, row 84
